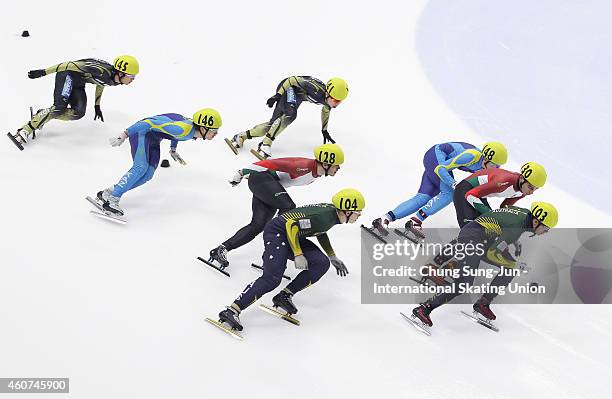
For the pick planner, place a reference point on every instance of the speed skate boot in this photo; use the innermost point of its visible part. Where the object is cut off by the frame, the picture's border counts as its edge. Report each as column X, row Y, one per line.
column 238, row 140
column 231, row 316
column 111, row 205
column 219, row 254
column 482, row 307
column 381, row 224
column 102, row 196
column 26, row 133
column 415, row 225
column 21, row 136
column 264, row 150
column 422, row 313
column 283, row 300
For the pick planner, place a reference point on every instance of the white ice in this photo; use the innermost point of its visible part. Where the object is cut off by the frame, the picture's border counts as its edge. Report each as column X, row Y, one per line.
column 120, row 309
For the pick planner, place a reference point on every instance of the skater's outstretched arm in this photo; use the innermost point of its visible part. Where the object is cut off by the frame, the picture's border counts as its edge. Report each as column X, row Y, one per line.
column 99, row 90
column 139, row 127
column 467, row 158
column 324, row 120
column 510, row 201
column 326, row 244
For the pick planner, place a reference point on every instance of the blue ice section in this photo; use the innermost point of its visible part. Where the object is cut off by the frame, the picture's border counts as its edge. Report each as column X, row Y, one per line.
column 536, row 75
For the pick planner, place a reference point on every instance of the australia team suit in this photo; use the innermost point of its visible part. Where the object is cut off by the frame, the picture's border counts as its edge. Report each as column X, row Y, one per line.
column 494, row 231
column 286, row 237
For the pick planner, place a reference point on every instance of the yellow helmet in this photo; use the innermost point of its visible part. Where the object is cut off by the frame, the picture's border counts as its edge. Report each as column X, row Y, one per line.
column 330, row 154
column 127, row 64
column 207, row 117
column 337, row 88
column 534, row 173
column 546, row 213
column 495, row 152
column 348, row 199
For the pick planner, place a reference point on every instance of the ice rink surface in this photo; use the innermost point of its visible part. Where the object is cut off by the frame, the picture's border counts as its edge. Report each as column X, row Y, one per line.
column 120, row 309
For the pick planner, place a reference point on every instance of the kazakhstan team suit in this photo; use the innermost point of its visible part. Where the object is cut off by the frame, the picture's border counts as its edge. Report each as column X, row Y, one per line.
column 145, row 137
column 285, row 237
column 437, row 183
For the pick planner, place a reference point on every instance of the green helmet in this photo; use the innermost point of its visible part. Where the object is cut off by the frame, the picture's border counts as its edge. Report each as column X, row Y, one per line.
column 337, row 88
column 330, row 154
column 348, row 199
column 207, row 117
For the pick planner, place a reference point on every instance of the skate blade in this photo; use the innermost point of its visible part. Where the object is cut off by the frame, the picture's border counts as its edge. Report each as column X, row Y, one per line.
column 281, row 315
column 231, row 146
column 482, row 321
column 94, row 203
column 258, row 155
column 226, row 329
column 17, row 143
column 106, row 216
column 256, row 266
column 419, row 325
column 371, row 231
column 217, row 268
column 417, row 239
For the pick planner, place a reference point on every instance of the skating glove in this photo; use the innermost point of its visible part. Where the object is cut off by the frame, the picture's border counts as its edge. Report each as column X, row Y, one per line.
column 236, row 179
column 175, row 155
column 272, row 100
column 98, row 113
column 339, row 265
column 301, row 263
column 117, row 141
column 518, row 248
column 327, row 137
column 37, row 73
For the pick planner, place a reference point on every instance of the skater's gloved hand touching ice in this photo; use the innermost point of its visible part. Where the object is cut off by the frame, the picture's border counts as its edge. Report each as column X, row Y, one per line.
column 175, row 155
column 37, row 73
column 98, row 114
column 117, row 141
column 236, row 179
column 339, row 265
column 301, row 263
